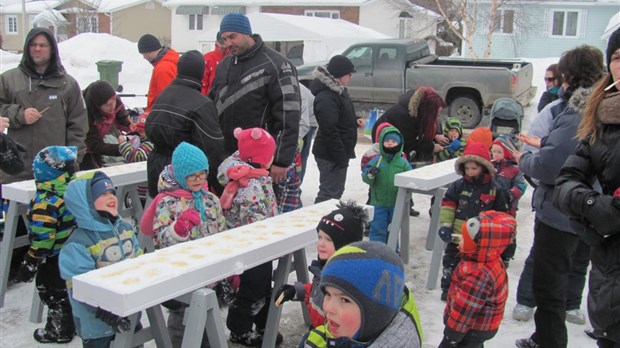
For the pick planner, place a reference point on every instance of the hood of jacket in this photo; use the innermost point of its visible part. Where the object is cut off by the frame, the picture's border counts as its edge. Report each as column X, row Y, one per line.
column 79, row 200
column 406, row 99
column 496, row 232
column 384, row 132
column 231, row 161
column 578, row 99
column 56, row 186
column 324, row 80
column 167, row 182
column 54, row 69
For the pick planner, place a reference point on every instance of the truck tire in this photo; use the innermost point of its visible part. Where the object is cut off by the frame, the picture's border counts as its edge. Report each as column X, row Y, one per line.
column 466, row 110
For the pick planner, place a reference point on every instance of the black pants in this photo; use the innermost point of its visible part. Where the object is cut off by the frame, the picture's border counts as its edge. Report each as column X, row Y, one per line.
column 576, row 279
column 332, row 177
column 450, row 260
column 472, row 339
column 605, row 343
column 251, row 305
column 53, row 293
column 553, row 250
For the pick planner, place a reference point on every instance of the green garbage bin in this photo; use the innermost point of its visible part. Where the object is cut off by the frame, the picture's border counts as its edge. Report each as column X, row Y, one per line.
column 108, row 71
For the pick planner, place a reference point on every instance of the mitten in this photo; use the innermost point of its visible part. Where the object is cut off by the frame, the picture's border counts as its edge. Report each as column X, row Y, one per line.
column 28, row 268
column 284, row 293
column 454, row 145
column 372, row 172
column 445, row 233
column 118, row 324
column 603, row 213
column 185, row 222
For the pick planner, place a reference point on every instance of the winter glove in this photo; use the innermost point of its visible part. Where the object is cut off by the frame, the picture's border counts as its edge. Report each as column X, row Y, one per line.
column 28, row 268
column 603, row 213
column 118, row 324
column 185, row 222
column 445, row 233
column 372, row 172
column 454, row 145
column 284, row 293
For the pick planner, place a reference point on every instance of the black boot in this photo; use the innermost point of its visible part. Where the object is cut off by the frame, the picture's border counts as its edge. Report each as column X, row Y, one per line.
column 60, row 327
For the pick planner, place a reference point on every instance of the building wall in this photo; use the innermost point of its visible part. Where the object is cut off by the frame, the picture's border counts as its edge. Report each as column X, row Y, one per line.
column 348, row 13
column 14, row 42
column 133, row 22
column 535, row 41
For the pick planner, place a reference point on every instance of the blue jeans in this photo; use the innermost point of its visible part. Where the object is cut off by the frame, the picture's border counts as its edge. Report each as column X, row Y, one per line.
column 380, row 222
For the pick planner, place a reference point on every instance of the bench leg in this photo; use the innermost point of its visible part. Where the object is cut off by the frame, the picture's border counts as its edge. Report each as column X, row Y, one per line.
column 6, row 248
column 402, row 204
column 404, row 230
column 158, row 328
column 125, row 339
column 36, row 308
column 273, row 318
column 301, row 270
column 434, row 225
column 433, row 272
column 204, row 315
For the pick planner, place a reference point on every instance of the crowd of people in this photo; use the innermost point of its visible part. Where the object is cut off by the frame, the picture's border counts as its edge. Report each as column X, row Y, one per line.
column 226, row 145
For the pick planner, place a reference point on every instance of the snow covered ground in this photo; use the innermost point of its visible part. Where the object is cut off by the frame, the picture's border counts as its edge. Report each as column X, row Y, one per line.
column 79, row 55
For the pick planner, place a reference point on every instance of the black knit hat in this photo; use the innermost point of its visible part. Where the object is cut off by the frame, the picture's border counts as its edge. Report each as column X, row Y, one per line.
column 339, row 66
column 99, row 92
column 612, row 45
column 191, row 66
column 148, row 43
column 345, row 224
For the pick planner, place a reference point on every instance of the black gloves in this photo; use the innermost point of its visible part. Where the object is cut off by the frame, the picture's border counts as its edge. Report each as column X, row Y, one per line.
column 603, row 213
column 284, row 293
column 28, row 268
column 445, row 233
column 118, row 324
column 372, row 172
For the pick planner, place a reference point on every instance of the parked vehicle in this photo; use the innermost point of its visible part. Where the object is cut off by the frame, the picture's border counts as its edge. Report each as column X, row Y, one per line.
column 384, row 69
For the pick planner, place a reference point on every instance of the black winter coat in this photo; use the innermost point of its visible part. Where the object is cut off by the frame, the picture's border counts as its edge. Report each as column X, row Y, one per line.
column 337, row 135
column 259, row 89
column 182, row 113
column 398, row 116
column 596, row 217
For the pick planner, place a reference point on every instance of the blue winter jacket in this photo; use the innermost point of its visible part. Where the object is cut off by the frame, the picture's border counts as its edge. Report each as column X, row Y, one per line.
column 95, row 243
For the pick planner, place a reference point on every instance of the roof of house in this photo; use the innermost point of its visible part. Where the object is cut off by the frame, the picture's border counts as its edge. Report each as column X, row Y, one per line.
column 31, row 7
column 117, row 5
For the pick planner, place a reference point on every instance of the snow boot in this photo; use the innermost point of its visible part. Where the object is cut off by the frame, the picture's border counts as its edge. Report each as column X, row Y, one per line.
column 526, row 343
column 279, row 338
column 248, row 339
column 575, row 316
column 59, row 327
column 522, row 312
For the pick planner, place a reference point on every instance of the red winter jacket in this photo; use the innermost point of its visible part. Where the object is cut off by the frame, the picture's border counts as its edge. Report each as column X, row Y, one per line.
column 479, row 287
column 211, row 60
column 164, row 71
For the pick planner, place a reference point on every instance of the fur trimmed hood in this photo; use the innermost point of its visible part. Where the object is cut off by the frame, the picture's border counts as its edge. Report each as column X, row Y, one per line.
column 579, row 98
column 327, row 79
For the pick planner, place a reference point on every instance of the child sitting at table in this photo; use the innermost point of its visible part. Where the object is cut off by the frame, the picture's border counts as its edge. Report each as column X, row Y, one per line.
column 335, row 230
column 50, row 223
column 453, row 130
column 379, row 173
column 101, row 238
column 183, row 210
column 366, row 302
column 248, row 197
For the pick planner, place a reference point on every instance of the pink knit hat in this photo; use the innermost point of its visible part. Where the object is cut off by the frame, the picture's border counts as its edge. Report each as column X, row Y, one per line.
column 255, row 145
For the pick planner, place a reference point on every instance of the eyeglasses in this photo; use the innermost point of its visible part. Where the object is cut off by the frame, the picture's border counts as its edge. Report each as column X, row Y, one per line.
column 550, row 79
column 41, row 45
column 197, row 176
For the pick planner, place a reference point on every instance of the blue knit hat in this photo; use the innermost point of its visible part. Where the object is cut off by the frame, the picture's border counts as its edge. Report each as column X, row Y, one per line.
column 187, row 159
column 53, row 161
column 236, row 23
column 378, row 290
column 100, row 184
column 393, row 136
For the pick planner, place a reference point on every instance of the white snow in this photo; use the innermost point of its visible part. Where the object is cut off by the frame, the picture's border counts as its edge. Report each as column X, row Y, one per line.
column 79, row 55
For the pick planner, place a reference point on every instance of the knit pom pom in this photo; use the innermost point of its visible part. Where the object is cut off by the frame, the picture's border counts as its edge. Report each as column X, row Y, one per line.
column 237, row 132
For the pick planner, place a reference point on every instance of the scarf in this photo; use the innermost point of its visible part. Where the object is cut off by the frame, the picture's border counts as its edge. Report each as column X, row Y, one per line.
column 239, row 177
column 608, row 111
column 104, row 125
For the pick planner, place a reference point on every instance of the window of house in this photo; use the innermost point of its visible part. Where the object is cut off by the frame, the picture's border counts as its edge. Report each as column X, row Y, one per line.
column 195, row 22
column 565, row 23
column 504, row 22
column 323, row 14
column 11, row 24
column 88, row 24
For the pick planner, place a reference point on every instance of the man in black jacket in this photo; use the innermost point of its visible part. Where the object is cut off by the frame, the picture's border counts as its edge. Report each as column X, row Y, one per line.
column 256, row 86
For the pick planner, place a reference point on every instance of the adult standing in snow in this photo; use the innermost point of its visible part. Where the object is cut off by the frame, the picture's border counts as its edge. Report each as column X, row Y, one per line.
column 181, row 113
column 43, row 103
column 256, row 86
column 164, row 61
column 555, row 240
column 553, row 82
column 212, row 59
column 595, row 215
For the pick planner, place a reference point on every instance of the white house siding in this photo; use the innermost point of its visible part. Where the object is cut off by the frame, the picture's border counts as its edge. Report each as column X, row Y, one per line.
column 384, row 18
column 537, row 43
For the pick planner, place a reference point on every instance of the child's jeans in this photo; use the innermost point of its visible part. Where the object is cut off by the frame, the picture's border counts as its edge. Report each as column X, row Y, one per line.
column 102, row 342
column 380, row 223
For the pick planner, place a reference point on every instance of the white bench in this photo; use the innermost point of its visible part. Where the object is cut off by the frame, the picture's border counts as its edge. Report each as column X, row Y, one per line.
column 429, row 180
column 127, row 287
column 125, row 177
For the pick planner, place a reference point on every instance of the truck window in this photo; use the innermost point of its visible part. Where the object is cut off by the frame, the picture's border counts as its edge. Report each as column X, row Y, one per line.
column 361, row 57
column 387, row 58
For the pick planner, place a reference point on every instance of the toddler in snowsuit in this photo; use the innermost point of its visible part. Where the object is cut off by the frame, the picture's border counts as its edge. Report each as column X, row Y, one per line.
column 479, row 287
column 248, row 197
column 335, row 230
column 50, row 223
column 465, row 198
column 453, row 130
column 135, row 147
column 101, row 238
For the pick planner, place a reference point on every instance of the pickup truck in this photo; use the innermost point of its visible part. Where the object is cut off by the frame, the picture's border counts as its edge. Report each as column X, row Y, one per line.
column 385, row 69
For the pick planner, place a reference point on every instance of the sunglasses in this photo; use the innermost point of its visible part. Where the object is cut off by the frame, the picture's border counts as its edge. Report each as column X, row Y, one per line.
column 550, row 79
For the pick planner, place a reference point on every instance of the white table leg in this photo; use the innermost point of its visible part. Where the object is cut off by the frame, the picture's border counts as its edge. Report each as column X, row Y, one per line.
column 399, row 209
column 8, row 243
column 204, row 317
column 301, row 270
column 273, row 318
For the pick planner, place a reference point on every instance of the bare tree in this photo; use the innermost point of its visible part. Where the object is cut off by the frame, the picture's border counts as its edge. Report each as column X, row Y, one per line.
column 84, row 14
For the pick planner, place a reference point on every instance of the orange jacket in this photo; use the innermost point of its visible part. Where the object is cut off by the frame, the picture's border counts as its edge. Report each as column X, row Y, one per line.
column 211, row 60
column 164, row 71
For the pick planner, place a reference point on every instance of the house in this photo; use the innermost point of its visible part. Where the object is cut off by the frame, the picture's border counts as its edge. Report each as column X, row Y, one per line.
column 538, row 29
column 396, row 18
column 67, row 18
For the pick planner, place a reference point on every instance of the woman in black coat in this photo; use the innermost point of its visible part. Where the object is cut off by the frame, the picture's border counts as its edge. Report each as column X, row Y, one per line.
column 415, row 115
column 596, row 216
column 181, row 113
